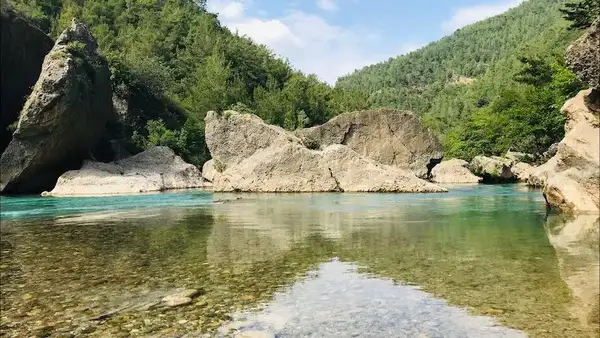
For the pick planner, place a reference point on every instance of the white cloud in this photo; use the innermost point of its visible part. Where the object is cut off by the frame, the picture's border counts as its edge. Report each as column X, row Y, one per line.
column 327, row 5
column 227, row 10
column 308, row 41
column 468, row 15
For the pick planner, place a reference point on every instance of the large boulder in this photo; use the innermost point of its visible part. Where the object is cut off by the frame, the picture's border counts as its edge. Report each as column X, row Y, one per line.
column 453, row 171
column 492, row 169
column 392, row 137
column 23, row 50
column 156, row 169
column 63, row 118
column 250, row 155
column 583, row 57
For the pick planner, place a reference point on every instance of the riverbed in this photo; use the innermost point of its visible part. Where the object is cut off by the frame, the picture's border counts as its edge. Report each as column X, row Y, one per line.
column 479, row 261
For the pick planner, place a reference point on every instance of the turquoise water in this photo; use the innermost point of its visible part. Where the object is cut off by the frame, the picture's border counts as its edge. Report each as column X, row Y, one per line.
column 31, row 207
column 479, row 261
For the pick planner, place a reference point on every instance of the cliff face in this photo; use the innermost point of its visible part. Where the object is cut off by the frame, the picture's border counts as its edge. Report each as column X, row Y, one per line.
column 23, row 48
column 63, row 118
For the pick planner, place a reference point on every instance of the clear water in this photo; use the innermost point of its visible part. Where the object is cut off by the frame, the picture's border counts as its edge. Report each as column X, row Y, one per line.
column 479, row 261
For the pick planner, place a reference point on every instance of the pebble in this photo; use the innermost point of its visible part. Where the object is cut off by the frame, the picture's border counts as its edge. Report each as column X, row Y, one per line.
column 176, row 300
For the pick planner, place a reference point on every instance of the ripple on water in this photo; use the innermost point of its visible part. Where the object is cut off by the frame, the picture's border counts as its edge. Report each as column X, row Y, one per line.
column 337, row 301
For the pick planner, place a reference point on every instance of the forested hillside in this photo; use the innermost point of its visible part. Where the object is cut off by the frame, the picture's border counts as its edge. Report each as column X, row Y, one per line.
column 491, row 86
column 174, row 54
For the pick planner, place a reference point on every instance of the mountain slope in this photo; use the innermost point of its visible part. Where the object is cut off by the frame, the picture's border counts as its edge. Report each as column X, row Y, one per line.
column 446, row 81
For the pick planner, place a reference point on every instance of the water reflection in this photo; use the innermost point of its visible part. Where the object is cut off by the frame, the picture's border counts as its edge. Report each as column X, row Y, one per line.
column 482, row 248
column 336, row 301
column 577, row 244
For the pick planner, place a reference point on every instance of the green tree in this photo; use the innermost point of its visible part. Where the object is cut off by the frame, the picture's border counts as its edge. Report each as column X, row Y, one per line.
column 581, row 14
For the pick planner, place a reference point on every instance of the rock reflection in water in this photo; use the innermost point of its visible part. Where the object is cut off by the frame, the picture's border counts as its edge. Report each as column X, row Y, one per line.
column 336, row 301
column 576, row 241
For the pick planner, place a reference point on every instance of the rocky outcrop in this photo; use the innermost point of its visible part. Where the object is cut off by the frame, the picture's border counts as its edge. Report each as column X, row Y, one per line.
column 253, row 156
column 583, row 58
column 453, row 171
column 63, row 118
column 23, row 50
column 396, row 138
column 156, row 169
column 492, row 169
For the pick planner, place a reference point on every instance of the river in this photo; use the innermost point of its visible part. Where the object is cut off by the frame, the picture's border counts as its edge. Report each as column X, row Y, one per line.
column 479, row 261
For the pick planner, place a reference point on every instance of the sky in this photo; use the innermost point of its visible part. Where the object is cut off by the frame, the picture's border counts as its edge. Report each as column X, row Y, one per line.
column 332, row 38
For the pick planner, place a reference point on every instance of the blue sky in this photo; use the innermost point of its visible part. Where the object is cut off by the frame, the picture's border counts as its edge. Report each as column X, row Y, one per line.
column 331, row 38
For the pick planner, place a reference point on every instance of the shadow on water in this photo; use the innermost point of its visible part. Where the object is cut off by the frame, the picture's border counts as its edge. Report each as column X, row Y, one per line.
column 488, row 249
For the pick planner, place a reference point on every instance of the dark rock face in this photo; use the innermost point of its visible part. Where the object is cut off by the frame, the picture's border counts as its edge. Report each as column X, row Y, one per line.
column 23, row 50
column 63, row 118
column 134, row 105
column 583, row 57
column 392, row 137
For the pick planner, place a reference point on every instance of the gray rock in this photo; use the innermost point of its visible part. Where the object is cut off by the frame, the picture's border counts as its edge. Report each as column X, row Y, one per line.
column 176, row 300
column 492, row 169
column 583, row 56
column 156, row 169
column 392, row 137
column 23, row 50
column 453, row 171
column 63, row 118
column 253, row 156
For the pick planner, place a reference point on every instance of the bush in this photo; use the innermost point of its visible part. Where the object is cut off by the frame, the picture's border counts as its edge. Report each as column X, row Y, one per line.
column 310, row 143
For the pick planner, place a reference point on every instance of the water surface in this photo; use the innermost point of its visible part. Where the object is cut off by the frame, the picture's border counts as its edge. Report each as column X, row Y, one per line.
column 479, row 261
